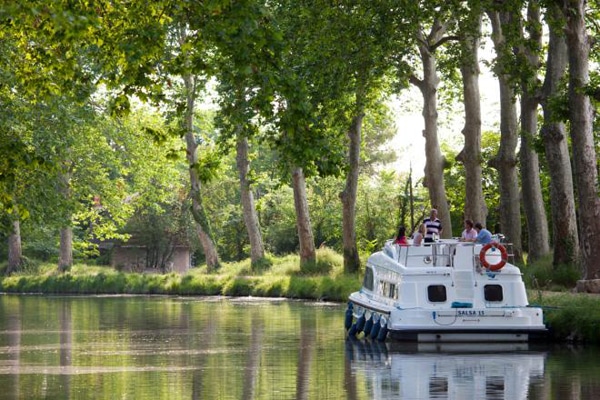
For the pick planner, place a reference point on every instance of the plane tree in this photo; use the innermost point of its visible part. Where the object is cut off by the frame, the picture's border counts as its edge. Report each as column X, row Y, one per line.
column 581, row 129
column 57, row 55
column 418, row 62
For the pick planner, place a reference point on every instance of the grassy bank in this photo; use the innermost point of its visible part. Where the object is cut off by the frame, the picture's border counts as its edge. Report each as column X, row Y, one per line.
column 282, row 279
column 570, row 317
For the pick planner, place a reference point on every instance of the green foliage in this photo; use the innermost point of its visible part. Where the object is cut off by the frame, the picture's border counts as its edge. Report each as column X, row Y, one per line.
column 41, row 243
column 489, row 148
column 326, row 211
column 278, row 218
column 543, row 275
column 27, row 267
column 384, row 205
column 239, row 286
column 272, row 286
column 572, row 317
column 290, row 77
column 454, row 179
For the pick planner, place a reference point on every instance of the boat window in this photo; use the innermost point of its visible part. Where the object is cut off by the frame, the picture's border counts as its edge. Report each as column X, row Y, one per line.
column 436, row 293
column 388, row 289
column 368, row 279
column 493, row 293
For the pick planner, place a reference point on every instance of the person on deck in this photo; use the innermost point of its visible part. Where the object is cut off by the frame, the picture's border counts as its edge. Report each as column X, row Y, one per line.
column 469, row 234
column 419, row 235
column 483, row 235
column 401, row 237
column 433, row 226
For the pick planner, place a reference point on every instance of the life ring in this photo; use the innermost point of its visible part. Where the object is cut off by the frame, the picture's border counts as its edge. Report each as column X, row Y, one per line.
column 503, row 256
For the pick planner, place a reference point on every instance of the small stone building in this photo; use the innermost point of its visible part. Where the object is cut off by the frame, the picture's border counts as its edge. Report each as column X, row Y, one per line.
column 132, row 257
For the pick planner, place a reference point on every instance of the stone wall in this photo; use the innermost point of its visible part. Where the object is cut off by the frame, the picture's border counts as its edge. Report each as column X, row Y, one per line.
column 133, row 258
column 588, row 286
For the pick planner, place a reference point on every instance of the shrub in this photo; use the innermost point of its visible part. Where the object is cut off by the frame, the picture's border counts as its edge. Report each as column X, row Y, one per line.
column 543, row 275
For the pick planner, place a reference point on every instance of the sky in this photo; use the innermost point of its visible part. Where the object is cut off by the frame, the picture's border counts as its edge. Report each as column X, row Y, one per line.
column 409, row 142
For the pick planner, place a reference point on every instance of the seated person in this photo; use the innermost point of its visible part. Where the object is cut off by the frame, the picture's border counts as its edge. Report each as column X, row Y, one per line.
column 483, row 235
column 401, row 237
column 419, row 235
column 469, row 234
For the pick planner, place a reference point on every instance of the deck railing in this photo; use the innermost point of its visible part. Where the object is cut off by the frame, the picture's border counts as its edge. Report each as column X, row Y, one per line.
column 442, row 253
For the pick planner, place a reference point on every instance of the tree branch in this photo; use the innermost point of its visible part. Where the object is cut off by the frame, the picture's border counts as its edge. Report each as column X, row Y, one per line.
column 415, row 81
column 443, row 40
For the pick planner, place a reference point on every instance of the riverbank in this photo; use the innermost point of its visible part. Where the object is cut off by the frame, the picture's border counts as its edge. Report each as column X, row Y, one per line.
column 283, row 278
column 571, row 317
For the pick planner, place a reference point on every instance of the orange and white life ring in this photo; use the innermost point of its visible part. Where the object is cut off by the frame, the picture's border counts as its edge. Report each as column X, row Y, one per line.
column 499, row 264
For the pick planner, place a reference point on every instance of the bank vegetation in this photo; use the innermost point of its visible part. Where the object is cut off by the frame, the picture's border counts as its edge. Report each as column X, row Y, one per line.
column 571, row 317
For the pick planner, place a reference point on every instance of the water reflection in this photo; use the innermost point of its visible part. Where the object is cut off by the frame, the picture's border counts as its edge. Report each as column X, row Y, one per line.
column 171, row 348
column 446, row 371
column 218, row 348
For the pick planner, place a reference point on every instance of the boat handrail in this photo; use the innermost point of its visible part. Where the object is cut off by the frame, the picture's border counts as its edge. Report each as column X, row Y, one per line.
column 437, row 254
column 427, row 255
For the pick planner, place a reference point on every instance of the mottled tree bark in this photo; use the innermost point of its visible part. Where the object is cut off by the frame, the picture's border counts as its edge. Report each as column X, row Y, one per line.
column 581, row 117
column 15, row 252
column 470, row 155
column 562, row 201
column 202, row 224
column 348, row 197
column 533, row 202
column 305, row 233
column 257, row 249
column 65, row 256
column 506, row 159
column 434, row 163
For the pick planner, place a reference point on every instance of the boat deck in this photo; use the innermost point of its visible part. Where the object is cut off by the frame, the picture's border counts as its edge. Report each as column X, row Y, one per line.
column 446, row 291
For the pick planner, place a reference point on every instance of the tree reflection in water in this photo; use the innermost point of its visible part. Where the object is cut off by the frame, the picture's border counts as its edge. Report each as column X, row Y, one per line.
column 246, row 348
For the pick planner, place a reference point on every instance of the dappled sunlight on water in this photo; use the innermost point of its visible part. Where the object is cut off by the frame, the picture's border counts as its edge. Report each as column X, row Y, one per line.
column 142, row 347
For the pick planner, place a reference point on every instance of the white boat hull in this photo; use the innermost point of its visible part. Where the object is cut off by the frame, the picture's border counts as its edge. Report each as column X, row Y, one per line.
column 456, row 301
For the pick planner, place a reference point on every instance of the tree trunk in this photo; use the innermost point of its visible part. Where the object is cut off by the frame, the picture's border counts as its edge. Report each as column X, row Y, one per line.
column 202, row 224
column 533, row 202
column 506, row 160
column 257, row 250
column 470, row 155
column 553, row 132
column 581, row 117
column 15, row 252
column 65, row 257
column 434, row 163
column 305, row 234
column 348, row 197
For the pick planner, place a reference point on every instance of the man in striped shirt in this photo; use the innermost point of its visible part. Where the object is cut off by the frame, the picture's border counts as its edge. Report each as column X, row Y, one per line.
column 433, row 225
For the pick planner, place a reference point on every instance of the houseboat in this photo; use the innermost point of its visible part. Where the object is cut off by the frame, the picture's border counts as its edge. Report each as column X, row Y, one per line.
column 446, row 291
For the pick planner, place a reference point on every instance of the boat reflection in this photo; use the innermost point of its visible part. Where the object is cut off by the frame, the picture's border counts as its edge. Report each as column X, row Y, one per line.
column 445, row 370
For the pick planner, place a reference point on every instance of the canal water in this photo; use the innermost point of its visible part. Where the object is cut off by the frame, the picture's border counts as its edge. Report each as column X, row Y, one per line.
column 120, row 347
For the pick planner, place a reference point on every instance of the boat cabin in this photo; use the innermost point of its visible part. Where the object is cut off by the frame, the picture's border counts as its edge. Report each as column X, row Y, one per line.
column 441, row 275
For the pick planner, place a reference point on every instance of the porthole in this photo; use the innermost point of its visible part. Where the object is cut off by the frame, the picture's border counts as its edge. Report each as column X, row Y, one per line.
column 437, row 293
column 493, row 293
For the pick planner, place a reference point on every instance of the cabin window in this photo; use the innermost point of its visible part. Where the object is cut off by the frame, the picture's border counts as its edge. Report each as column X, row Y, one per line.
column 436, row 293
column 388, row 289
column 368, row 279
column 493, row 293
column 438, row 387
